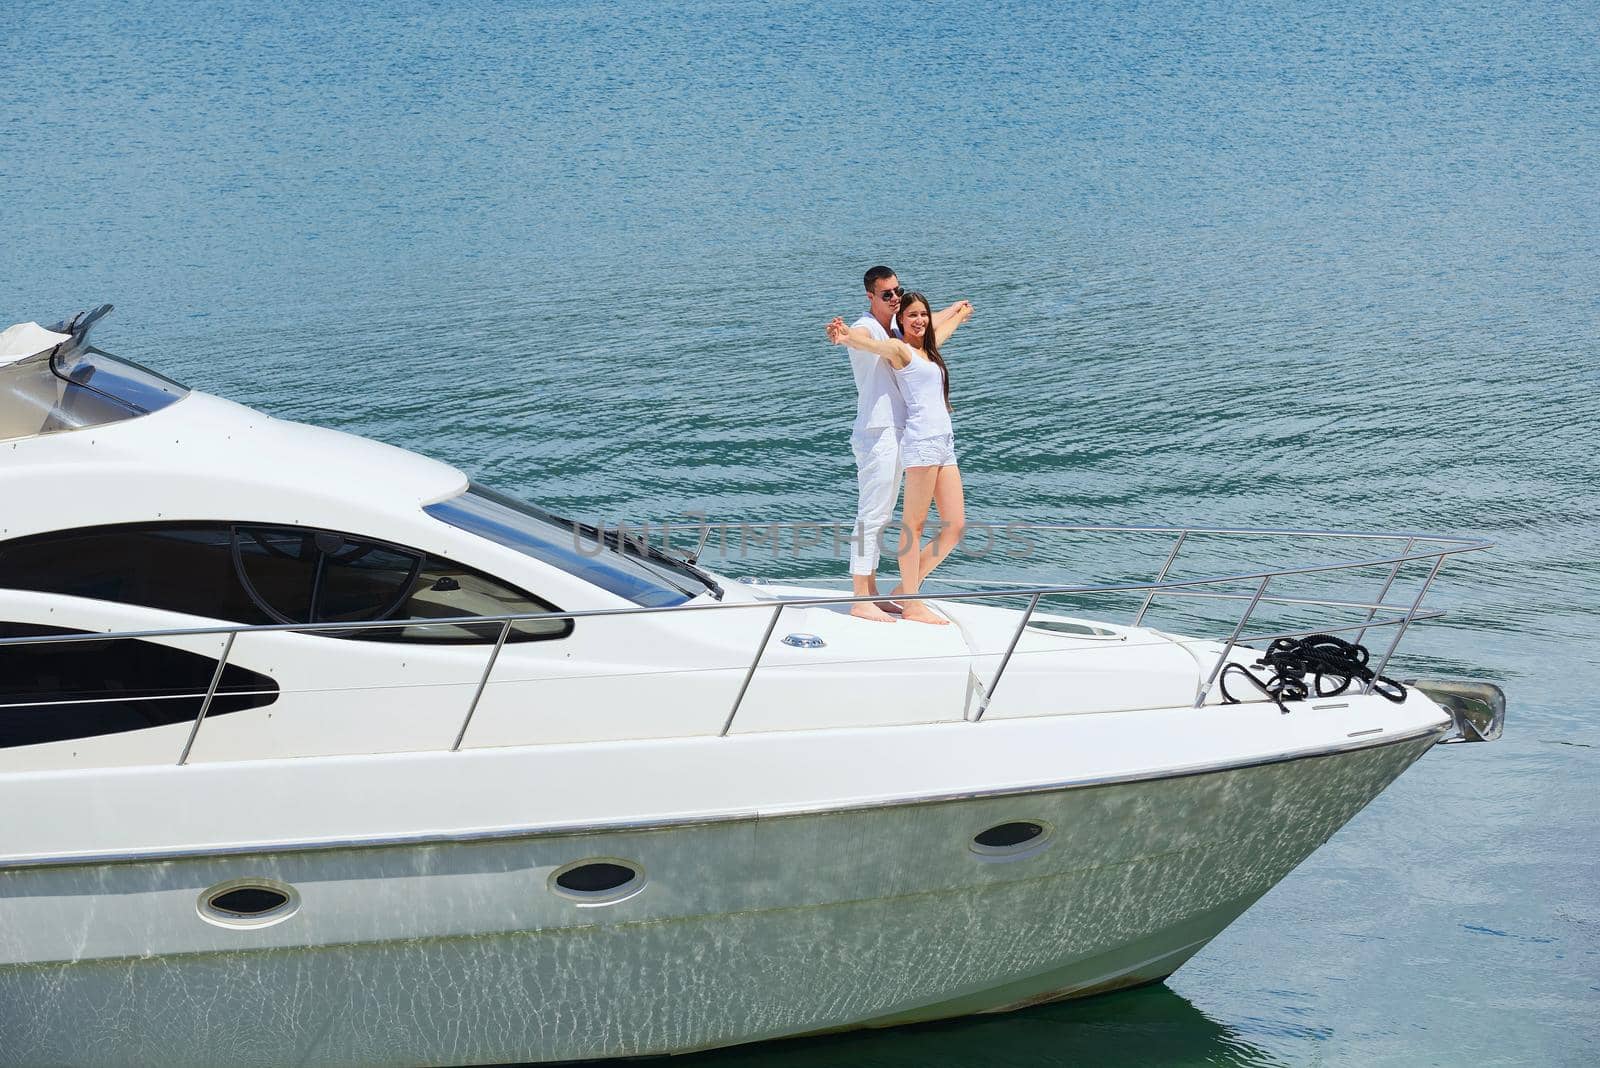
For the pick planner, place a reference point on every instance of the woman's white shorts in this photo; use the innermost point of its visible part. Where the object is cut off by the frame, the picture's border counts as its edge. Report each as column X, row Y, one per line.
column 936, row 451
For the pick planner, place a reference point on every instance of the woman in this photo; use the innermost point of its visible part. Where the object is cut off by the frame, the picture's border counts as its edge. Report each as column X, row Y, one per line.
column 927, row 448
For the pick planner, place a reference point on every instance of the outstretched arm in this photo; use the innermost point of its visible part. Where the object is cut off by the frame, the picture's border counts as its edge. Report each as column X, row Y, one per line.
column 898, row 353
column 946, row 321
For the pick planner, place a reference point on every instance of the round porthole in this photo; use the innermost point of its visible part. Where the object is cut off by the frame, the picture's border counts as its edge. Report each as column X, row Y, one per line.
column 598, row 881
column 248, row 903
column 1011, row 841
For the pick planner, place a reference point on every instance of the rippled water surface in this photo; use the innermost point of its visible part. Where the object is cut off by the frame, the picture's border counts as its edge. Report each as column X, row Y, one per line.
column 1265, row 266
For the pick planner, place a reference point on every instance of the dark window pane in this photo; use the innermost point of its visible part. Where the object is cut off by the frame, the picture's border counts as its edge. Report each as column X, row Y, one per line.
column 362, row 580
column 282, row 575
column 182, row 569
column 279, row 567
column 63, row 690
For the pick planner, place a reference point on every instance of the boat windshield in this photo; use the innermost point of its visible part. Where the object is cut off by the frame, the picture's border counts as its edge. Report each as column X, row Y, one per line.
column 604, row 558
column 86, row 387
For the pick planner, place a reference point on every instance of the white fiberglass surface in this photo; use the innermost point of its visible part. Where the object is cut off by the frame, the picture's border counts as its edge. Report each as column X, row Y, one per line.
column 615, row 679
column 589, row 784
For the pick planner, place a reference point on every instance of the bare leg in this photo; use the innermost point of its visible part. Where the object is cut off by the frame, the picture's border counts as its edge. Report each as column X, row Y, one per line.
column 948, row 499
column 919, row 495
column 951, row 502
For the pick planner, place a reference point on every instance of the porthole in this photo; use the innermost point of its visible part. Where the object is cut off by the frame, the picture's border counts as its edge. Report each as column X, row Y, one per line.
column 598, row 881
column 1012, row 840
column 248, row 903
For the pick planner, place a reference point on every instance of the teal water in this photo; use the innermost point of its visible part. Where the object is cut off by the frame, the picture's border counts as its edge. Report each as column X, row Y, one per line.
column 1270, row 266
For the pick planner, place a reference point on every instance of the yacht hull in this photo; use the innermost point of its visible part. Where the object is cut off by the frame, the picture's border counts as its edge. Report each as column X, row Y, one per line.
column 746, row 929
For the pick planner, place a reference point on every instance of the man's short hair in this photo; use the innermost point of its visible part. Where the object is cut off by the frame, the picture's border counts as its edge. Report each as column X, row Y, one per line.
column 875, row 275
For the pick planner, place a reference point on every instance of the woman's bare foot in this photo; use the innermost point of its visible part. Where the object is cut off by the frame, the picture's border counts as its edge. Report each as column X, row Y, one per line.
column 917, row 612
column 868, row 610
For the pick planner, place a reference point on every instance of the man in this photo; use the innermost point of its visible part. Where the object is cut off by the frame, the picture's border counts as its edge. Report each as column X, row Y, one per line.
column 875, row 440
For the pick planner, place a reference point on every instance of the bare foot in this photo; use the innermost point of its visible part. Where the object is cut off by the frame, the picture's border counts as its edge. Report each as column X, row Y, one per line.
column 868, row 610
column 918, row 612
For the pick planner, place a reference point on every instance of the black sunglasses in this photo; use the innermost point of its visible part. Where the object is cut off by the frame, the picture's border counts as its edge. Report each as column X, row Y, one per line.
column 893, row 294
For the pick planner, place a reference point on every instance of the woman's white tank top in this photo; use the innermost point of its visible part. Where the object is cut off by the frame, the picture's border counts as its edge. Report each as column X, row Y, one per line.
column 922, row 386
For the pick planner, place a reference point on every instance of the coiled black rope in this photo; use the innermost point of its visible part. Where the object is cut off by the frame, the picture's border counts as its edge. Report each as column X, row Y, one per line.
column 1332, row 663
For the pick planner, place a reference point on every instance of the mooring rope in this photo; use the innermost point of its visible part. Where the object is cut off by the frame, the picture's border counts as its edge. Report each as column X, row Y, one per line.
column 1332, row 663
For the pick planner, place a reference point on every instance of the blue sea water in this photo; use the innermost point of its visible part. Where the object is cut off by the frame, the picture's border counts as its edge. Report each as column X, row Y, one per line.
column 1266, row 265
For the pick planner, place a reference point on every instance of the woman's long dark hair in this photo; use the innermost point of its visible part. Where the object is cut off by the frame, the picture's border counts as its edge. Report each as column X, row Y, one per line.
column 930, row 344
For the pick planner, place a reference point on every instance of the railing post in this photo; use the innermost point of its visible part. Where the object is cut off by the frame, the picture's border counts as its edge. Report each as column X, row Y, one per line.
column 1394, row 573
column 1162, row 576
column 1233, row 639
column 483, row 680
column 1400, row 631
column 211, row 692
column 1004, row 660
column 750, row 674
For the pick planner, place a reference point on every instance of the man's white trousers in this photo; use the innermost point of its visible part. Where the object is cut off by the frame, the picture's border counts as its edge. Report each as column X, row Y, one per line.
column 878, row 474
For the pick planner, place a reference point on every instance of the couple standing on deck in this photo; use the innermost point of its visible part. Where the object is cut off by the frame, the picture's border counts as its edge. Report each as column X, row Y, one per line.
column 902, row 427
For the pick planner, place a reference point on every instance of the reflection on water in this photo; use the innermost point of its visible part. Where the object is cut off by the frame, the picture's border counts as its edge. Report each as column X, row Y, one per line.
column 1151, row 1025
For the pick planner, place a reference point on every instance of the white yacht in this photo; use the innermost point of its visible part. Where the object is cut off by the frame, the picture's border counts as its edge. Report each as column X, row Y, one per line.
column 314, row 751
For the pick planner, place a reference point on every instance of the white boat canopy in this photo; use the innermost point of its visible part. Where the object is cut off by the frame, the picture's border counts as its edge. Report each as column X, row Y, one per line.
column 27, row 339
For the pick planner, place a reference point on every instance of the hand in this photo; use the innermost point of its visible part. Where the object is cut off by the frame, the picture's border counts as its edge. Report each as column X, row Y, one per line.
column 964, row 308
column 838, row 333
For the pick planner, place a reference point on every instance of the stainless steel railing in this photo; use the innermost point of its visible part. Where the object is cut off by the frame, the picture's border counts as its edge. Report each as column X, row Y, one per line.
column 1437, row 549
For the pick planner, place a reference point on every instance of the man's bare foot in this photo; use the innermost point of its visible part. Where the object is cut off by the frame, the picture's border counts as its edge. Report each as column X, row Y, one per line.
column 917, row 612
column 868, row 610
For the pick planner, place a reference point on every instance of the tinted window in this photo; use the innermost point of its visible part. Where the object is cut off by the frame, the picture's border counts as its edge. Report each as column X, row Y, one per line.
column 565, row 545
column 315, row 576
column 277, row 568
column 182, row 569
column 361, row 580
column 63, row 690
column 253, row 574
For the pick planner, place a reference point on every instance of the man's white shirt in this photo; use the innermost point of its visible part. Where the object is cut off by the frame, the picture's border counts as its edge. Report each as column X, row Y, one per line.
column 878, row 401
